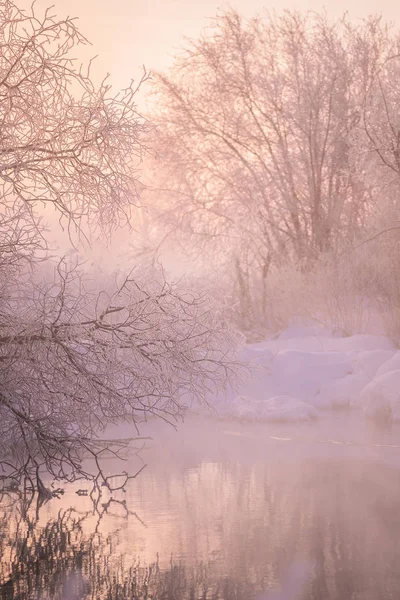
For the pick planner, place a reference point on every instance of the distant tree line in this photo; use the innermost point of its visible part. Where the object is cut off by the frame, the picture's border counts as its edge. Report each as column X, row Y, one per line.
column 279, row 140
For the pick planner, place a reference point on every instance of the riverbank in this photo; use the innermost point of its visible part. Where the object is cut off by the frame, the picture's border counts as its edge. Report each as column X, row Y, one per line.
column 306, row 371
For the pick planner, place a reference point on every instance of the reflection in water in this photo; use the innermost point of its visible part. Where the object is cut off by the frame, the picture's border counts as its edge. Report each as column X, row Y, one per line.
column 258, row 523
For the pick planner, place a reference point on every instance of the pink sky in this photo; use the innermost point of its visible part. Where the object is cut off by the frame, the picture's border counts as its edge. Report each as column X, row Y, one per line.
column 128, row 33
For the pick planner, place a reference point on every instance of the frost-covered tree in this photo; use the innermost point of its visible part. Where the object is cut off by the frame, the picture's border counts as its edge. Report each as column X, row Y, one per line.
column 73, row 358
column 259, row 113
column 263, row 140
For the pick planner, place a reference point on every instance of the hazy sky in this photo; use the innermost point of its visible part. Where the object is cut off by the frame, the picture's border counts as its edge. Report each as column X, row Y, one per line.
column 129, row 33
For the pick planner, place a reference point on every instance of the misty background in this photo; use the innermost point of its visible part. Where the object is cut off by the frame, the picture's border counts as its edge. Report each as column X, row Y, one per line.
column 199, row 300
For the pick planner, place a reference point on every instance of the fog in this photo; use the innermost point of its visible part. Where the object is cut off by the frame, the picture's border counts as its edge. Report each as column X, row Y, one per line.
column 200, row 300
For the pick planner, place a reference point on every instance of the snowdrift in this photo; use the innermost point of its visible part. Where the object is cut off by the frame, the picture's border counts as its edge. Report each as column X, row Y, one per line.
column 306, row 370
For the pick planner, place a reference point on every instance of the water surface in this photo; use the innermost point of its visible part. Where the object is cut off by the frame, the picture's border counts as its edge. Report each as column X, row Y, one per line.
column 223, row 510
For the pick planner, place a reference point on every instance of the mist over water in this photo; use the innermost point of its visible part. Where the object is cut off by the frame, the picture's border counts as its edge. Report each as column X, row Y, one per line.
column 200, row 307
column 240, row 512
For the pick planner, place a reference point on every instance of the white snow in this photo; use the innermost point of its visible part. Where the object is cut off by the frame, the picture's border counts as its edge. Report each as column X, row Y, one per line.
column 381, row 397
column 340, row 393
column 393, row 364
column 306, row 370
column 370, row 361
column 277, row 408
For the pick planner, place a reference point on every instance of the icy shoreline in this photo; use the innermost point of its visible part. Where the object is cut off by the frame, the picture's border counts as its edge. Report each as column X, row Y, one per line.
column 307, row 370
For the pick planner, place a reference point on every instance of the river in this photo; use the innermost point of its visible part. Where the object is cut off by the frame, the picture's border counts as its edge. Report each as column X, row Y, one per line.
column 222, row 510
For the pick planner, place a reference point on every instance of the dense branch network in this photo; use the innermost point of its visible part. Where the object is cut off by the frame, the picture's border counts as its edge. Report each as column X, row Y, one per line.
column 63, row 141
column 73, row 358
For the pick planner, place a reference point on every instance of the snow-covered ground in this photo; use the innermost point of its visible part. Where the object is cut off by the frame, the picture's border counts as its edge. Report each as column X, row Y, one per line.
column 306, row 370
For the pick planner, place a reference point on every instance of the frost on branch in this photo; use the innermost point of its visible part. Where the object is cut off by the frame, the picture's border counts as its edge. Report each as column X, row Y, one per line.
column 63, row 141
column 73, row 360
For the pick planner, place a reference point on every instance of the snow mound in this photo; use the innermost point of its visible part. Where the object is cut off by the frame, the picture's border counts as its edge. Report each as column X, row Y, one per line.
column 305, row 370
column 301, row 374
column 380, row 399
column 275, row 409
column 393, row 364
column 370, row 361
column 340, row 393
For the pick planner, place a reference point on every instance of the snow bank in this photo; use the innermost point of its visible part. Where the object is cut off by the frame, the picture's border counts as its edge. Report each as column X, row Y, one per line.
column 393, row 364
column 304, row 370
column 277, row 408
column 380, row 399
column 341, row 393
